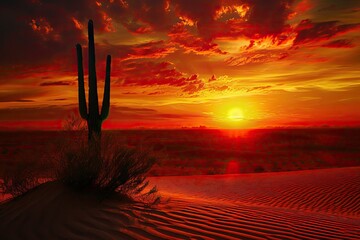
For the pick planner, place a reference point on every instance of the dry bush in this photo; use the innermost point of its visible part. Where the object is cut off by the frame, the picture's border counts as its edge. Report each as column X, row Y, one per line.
column 19, row 181
column 73, row 122
column 105, row 168
column 76, row 166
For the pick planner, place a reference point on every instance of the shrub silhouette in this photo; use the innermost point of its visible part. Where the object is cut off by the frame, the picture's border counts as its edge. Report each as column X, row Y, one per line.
column 74, row 122
column 115, row 169
column 19, row 181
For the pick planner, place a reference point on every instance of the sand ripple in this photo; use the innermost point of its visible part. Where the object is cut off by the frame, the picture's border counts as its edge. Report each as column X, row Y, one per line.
column 321, row 204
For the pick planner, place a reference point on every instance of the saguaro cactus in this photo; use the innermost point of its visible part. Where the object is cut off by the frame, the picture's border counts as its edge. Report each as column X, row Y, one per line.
column 91, row 115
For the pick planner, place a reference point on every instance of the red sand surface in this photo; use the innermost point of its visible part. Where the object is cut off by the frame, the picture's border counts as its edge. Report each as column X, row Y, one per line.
column 314, row 204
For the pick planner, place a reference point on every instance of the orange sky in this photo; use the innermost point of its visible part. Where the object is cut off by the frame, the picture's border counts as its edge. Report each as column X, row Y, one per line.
column 182, row 63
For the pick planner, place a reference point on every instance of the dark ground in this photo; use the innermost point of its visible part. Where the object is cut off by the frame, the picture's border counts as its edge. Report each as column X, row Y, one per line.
column 188, row 152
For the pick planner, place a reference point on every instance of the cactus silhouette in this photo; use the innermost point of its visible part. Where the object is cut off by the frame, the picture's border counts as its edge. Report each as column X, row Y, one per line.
column 91, row 115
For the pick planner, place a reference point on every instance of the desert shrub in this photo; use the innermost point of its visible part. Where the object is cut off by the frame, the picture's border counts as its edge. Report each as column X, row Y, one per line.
column 259, row 169
column 76, row 165
column 104, row 167
column 73, row 122
column 20, row 180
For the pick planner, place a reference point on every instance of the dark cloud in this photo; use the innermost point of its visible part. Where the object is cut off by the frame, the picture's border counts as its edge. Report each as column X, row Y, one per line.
column 48, row 29
column 261, row 18
column 57, row 83
column 213, row 78
column 54, row 112
column 269, row 17
column 156, row 93
column 193, row 85
column 176, row 116
column 327, row 7
column 308, row 32
column 33, row 113
column 141, row 16
column 252, row 43
column 341, row 43
column 59, row 99
column 18, row 100
column 146, row 114
column 130, row 109
column 44, row 32
column 24, row 100
column 20, row 95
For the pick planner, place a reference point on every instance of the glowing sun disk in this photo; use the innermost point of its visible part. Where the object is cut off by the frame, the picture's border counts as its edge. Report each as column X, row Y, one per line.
column 235, row 114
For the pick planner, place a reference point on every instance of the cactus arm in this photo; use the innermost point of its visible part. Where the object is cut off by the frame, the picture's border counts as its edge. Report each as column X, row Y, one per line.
column 93, row 96
column 106, row 99
column 81, row 88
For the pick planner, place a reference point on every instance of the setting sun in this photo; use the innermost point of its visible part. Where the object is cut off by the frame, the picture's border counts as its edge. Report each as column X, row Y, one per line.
column 235, row 114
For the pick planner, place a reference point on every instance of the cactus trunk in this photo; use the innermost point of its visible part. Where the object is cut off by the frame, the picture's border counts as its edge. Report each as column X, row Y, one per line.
column 91, row 114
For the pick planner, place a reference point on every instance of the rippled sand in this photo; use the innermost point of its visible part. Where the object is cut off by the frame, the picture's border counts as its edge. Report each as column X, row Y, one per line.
column 315, row 204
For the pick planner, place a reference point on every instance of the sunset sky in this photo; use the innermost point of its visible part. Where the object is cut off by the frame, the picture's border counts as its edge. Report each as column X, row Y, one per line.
column 185, row 63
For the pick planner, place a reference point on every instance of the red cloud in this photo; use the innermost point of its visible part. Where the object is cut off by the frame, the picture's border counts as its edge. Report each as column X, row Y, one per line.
column 259, row 88
column 163, row 73
column 221, row 88
column 154, row 49
column 303, row 6
column 202, row 12
column 263, row 18
column 181, row 36
column 259, row 56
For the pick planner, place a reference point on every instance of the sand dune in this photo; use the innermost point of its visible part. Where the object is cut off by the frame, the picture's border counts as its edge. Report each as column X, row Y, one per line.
column 319, row 204
column 331, row 191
